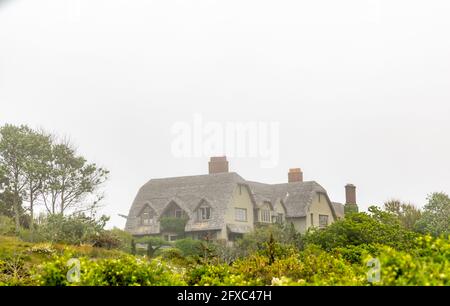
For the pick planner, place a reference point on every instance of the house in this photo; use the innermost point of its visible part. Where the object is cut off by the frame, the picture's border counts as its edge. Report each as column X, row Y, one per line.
column 222, row 205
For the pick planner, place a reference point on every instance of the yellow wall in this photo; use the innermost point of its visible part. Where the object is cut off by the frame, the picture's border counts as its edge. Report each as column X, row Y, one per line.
column 319, row 207
column 241, row 199
column 299, row 224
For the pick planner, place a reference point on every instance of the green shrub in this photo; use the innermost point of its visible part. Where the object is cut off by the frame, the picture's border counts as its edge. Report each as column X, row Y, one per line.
column 124, row 271
column 6, row 225
column 377, row 227
column 190, row 247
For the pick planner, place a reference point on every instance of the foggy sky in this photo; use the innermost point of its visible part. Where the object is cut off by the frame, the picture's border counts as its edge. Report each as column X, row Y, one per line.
column 361, row 88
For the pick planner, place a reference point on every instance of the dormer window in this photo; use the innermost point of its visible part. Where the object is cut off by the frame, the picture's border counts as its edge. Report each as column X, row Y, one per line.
column 146, row 216
column 204, row 213
column 265, row 215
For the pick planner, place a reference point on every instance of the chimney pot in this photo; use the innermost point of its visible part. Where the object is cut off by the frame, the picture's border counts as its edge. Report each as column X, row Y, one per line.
column 295, row 175
column 218, row 164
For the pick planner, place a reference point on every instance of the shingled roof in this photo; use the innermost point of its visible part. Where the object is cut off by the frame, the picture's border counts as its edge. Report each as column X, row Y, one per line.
column 217, row 191
column 296, row 197
column 187, row 192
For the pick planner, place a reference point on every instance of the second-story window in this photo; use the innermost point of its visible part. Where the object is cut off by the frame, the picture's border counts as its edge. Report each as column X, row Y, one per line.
column 265, row 216
column 204, row 213
column 240, row 214
column 146, row 216
column 323, row 221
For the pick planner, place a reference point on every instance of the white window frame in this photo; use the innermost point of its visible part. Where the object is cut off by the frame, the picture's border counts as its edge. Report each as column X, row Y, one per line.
column 265, row 216
column 203, row 214
column 240, row 214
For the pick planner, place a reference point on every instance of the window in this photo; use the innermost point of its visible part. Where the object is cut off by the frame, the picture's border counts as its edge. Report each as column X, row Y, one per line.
column 320, row 196
column 204, row 213
column 240, row 214
column 265, row 215
column 323, row 221
column 178, row 213
column 171, row 237
column 279, row 218
column 240, row 189
column 146, row 216
column 312, row 219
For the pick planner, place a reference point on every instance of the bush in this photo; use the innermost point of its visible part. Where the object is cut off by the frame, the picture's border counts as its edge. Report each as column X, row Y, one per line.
column 76, row 229
column 124, row 271
column 356, row 229
column 6, row 225
column 190, row 247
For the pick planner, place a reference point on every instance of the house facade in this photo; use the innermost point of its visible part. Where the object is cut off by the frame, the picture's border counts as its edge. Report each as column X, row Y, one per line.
column 224, row 206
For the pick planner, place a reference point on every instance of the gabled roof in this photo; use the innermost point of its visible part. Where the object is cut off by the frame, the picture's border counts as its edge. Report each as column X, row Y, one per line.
column 339, row 209
column 187, row 192
column 296, row 196
column 217, row 190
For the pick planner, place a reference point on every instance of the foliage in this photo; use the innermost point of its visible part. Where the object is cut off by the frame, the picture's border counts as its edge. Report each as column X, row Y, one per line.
column 407, row 214
column 71, row 180
column 75, row 229
column 436, row 215
column 285, row 235
column 190, row 247
column 153, row 244
column 173, row 225
column 123, row 239
column 6, row 225
column 124, row 271
column 377, row 227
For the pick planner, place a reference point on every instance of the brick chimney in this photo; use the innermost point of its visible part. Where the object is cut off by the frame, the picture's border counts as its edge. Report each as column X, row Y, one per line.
column 350, row 194
column 295, row 175
column 350, row 199
column 218, row 164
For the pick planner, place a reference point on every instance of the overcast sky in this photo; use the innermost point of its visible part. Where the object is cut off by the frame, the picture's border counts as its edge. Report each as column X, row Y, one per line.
column 361, row 88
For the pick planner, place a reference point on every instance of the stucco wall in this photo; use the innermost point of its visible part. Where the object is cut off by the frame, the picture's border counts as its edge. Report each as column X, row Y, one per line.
column 241, row 199
column 299, row 224
column 319, row 206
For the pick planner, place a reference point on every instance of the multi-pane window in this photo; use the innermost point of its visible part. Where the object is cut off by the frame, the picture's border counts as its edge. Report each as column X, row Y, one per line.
column 204, row 213
column 178, row 213
column 146, row 216
column 265, row 216
column 240, row 214
column 279, row 218
column 323, row 221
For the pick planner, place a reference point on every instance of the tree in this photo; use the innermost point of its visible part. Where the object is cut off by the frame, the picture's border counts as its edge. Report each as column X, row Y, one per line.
column 153, row 244
column 359, row 229
column 435, row 219
column 36, row 167
column 407, row 214
column 13, row 154
column 71, row 180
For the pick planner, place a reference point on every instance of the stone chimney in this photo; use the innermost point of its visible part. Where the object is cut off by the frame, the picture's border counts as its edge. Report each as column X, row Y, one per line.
column 218, row 164
column 350, row 199
column 295, row 175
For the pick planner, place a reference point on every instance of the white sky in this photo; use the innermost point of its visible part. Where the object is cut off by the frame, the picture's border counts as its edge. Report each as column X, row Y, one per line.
column 361, row 88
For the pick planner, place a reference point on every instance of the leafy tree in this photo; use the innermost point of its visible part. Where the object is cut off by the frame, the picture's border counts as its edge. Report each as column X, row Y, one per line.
column 375, row 227
column 153, row 244
column 72, row 179
column 435, row 219
column 74, row 229
column 14, row 150
column 36, row 167
column 408, row 214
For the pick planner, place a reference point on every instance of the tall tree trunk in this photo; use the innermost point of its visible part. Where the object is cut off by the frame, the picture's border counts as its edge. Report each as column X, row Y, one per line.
column 16, row 211
column 32, row 212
